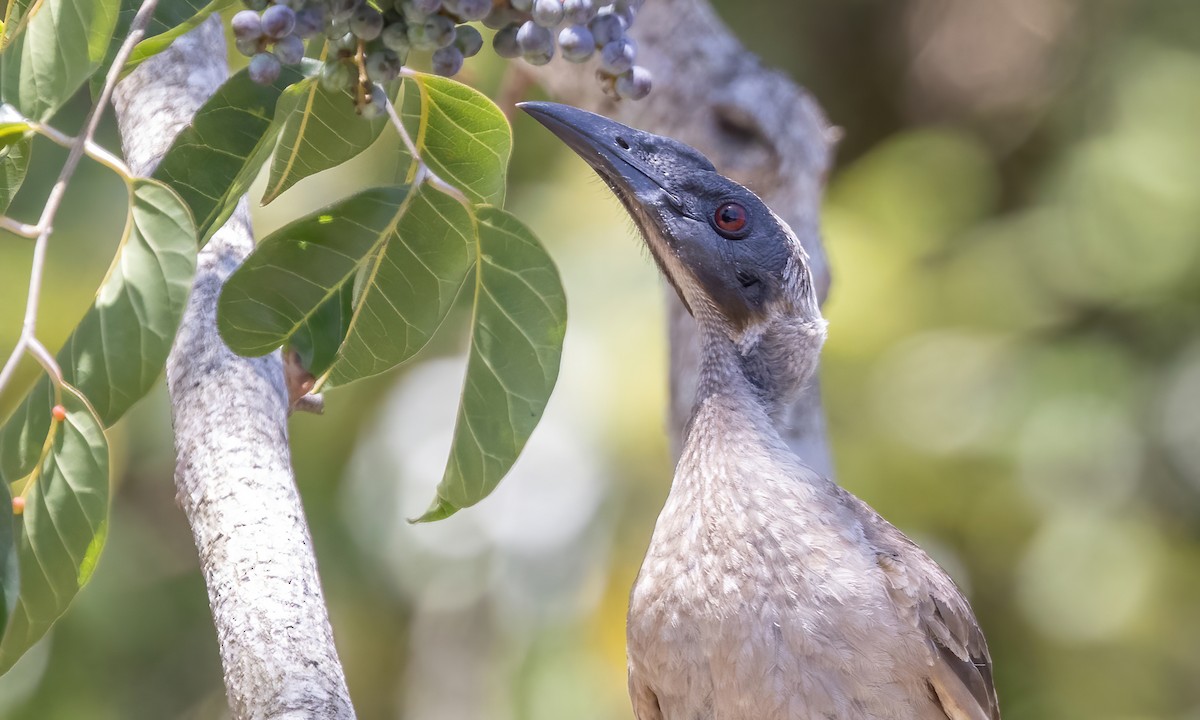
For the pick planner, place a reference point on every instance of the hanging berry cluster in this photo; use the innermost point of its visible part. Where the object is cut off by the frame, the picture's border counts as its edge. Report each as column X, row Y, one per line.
column 369, row 41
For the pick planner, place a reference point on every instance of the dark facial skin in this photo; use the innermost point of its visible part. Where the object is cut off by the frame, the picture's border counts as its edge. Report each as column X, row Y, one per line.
column 696, row 221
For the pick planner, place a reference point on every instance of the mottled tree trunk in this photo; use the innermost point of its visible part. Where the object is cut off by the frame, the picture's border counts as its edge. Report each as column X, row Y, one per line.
column 233, row 472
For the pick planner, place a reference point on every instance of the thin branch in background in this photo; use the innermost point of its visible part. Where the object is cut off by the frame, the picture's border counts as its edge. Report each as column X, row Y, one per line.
column 18, row 228
column 93, row 149
column 27, row 342
column 424, row 173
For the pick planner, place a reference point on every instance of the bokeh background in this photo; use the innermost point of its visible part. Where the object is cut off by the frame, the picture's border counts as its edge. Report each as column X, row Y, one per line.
column 1012, row 377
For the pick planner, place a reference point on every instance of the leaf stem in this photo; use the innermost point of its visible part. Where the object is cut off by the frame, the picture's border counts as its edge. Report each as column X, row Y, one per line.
column 19, row 228
column 93, row 149
column 27, row 341
column 424, row 172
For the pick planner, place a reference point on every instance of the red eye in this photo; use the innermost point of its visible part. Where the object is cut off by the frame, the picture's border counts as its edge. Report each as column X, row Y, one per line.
column 730, row 218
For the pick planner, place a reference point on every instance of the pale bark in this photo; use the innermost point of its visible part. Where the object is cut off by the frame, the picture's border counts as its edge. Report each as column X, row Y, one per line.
column 233, row 474
column 756, row 125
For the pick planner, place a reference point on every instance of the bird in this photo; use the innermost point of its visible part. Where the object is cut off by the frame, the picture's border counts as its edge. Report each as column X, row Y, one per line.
column 767, row 592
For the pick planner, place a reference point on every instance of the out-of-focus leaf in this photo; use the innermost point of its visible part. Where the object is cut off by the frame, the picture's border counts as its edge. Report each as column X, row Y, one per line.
column 460, row 134
column 66, row 512
column 324, row 133
column 406, row 251
column 213, row 161
column 171, row 19
column 56, row 47
column 14, row 161
column 14, row 153
column 10, row 578
column 516, row 344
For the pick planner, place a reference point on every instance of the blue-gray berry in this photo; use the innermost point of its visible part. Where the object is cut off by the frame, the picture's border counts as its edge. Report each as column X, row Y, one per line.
column 534, row 38
column 264, row 68
column 376, row 104
column 579, row 12
column 310, row 21
column 343, row 10
column 576, row 43
column 249, row 48
column 337, row 75
column 634, row 83
column 395, row 37
column 501, row 16
column 470, row 10
column 383, row 66
column 468, row 40
column 439, row 30
column 618, row 56
column 547, row 13
column 505, row 42
column 366, row 23
column 246, row 25
column 606, row 27
column 278, row 21
column 426, row 7
column 447, row 61
column 289, row 50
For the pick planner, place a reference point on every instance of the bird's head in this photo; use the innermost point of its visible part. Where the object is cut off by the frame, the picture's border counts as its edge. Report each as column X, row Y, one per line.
column 736, row 266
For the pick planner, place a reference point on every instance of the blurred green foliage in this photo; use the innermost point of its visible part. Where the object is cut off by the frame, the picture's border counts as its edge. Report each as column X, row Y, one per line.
column 1012, row 377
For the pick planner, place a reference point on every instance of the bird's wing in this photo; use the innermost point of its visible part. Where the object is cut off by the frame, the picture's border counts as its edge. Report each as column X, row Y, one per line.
column 960, row 673
column 645, row 702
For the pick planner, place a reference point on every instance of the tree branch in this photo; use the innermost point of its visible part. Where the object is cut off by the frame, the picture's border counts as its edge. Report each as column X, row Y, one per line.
column 756, row 125
column 233, row 472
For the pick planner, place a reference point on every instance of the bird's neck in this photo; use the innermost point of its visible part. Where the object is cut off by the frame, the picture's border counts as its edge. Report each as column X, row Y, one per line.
column 730, row 408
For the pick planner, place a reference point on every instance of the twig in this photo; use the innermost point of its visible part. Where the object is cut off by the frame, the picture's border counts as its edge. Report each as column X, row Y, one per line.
column 27, row 342
column 19, row 228
column 93, row 149
column 424, row 172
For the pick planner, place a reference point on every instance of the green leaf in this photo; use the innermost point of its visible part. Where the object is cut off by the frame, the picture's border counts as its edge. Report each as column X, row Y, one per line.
column 325, row 132
column 66, row 512
column 213, row 161
column 118, row 350
column 516, row 344
column 14, row 162
column 321, row 335
column 15, row 146
column 460, row 134
column 171, row 19
column 405, row 251
column 56, row 48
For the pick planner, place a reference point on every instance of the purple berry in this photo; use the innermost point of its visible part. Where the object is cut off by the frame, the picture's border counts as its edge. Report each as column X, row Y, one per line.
column 289, row 50
column 366, row 23
column 577, row 43
column 246, row 25
column 606, row 28
column 617, row 56
column 278, row 21
column 447, row 61
column 505, row 42
column 264, row 68
column 634, row 83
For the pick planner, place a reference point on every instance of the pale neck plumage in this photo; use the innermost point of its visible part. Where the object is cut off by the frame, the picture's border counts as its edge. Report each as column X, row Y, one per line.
column 730, row 412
